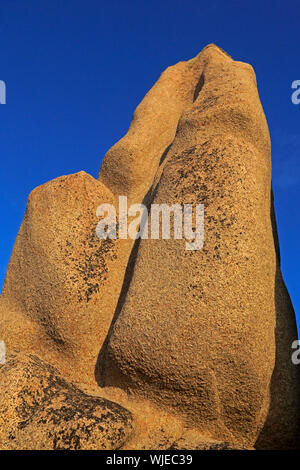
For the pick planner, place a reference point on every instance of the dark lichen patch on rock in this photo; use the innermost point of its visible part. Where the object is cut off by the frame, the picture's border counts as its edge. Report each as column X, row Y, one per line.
column 90, row 270
column 46, row 412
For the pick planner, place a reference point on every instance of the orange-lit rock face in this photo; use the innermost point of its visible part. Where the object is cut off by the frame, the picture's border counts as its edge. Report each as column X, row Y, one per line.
column 57, row 274
column 195, row 344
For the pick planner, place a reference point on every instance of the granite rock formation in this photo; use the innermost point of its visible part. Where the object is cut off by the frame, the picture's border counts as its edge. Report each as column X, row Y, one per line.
column 42, row 411
column 120, row 344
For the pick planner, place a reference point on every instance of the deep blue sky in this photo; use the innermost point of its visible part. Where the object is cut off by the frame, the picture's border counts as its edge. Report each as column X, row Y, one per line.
column 75, row 70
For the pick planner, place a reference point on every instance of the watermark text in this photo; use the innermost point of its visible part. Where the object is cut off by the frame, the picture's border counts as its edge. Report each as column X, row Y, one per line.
column 188, row 222
column 2, row 92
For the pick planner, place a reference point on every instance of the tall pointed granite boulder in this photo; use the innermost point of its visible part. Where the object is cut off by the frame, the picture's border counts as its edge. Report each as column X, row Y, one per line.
column 208, row 334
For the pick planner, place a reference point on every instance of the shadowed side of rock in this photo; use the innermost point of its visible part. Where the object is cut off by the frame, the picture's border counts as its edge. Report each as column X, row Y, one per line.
column 281, row 429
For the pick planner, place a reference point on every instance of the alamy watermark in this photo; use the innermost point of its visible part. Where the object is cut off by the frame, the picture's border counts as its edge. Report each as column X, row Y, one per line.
column 296, row 94
column 296, row 353
column 187, row 223
column 2, row 352
column 2, row 92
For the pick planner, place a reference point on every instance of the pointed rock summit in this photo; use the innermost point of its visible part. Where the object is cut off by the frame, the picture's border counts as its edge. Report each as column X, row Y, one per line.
column 145, row 344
